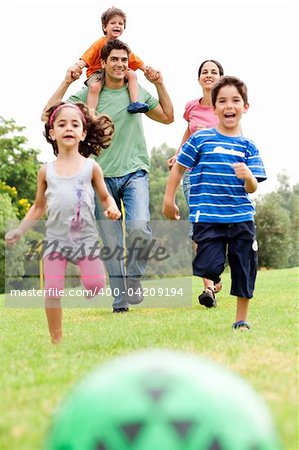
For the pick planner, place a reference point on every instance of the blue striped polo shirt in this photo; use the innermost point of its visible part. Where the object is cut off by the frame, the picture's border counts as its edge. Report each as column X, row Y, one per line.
column 216, row 194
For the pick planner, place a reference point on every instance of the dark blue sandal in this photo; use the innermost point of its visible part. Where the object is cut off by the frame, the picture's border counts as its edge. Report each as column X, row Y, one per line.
column 207, row 298
column 241, row 324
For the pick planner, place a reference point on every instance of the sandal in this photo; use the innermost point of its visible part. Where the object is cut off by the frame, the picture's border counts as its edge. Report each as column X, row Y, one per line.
column 207, row 298
column 241, row 324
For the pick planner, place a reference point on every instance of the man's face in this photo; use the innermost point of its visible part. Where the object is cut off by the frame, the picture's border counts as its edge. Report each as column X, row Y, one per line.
column 116, row 65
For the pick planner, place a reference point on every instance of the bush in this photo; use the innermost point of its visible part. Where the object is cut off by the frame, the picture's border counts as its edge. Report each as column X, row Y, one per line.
column 11, row 261
column 273, row 225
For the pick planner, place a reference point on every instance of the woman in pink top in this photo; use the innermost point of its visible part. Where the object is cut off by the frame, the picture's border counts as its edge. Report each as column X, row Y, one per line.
column 199, row 114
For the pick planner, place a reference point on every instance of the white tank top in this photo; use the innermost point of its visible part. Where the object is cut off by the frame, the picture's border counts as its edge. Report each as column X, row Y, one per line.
column 71, row 226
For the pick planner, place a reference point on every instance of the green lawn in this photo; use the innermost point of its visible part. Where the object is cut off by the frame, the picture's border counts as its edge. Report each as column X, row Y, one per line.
column 35, row 375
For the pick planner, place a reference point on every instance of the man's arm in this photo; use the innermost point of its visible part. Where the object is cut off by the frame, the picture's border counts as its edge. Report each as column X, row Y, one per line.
column 59, row 93
column 163, row 112
column 170, row 209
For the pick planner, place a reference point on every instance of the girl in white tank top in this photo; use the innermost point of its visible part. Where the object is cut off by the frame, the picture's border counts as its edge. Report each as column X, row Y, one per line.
column 65, row 190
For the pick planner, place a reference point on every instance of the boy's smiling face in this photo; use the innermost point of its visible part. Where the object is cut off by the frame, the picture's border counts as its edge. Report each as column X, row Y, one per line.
column 229, row 108
column 115, row 27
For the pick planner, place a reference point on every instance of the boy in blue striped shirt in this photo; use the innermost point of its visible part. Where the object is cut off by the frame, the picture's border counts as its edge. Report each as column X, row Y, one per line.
column 226, row 167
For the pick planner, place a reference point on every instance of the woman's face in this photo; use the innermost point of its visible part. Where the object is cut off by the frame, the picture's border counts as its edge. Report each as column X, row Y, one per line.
column 209, row 75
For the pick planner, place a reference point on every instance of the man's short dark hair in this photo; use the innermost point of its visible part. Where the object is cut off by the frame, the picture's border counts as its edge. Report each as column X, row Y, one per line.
column 114, row 44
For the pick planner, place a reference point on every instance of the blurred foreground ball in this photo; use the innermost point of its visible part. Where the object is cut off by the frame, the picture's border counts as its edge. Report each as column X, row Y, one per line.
column 162, row 400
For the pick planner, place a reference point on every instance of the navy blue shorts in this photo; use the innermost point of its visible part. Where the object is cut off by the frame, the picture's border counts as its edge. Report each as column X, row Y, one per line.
column 237, row 241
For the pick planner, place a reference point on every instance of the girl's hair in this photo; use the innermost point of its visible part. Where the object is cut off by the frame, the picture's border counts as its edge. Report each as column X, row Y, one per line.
column 221, row 71
column 111, row 12
column 229, row 81
column 99, row 129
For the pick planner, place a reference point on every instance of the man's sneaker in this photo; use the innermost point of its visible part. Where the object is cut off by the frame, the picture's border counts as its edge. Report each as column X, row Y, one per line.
column 134, row 291
column 207, row 298
column 137, row 107
column 121, row 310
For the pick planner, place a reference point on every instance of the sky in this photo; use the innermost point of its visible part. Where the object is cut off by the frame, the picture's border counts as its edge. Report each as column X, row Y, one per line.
column 256, row 40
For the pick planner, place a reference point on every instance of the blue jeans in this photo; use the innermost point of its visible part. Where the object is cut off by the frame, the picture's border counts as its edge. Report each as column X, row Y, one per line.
column 186, row 190
column 186, row 185
column 129, row 247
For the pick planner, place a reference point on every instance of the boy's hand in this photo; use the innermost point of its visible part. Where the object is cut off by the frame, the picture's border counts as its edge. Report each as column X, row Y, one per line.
column 171, row 210
column 112, row 213
column 242, row 171
column 151, row 74
column 12, row 237
column 76, row 71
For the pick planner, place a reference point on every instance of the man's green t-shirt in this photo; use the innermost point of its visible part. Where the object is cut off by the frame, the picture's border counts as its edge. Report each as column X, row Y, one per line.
column 128, row 151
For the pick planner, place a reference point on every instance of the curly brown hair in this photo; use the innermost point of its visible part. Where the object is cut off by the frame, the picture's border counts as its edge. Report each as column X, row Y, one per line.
column 99, row 129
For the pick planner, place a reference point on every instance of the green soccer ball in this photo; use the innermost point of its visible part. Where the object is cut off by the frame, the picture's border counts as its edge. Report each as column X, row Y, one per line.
column 162, row 400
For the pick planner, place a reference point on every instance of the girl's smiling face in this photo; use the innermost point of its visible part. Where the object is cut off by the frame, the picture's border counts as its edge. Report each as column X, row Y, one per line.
column 229, row 108
column 68, row 128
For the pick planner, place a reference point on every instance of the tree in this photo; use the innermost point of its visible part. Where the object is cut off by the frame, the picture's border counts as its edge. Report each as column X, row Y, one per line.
column 11, row 260
column 273, row 224
column 293, row 207
column 19, row 164
column 290, row 202
column 20, row 205
column 277, row 221
column 158, row 179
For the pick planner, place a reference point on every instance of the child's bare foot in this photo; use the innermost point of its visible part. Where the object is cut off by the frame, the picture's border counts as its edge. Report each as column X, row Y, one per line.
column 56, row 336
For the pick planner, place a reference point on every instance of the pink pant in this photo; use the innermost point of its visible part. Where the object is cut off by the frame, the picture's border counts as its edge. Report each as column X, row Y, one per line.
column 92, row 274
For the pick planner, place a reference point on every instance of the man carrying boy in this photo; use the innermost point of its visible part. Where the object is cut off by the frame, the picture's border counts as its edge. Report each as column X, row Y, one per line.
column 226, row 167
column 125, row 165
column 113, row 25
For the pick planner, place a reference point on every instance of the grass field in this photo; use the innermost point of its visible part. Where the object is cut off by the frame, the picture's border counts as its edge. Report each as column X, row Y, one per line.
column 35, row 375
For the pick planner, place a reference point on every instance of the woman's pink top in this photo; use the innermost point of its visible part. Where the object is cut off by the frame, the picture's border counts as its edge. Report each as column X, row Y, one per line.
column 197, row 114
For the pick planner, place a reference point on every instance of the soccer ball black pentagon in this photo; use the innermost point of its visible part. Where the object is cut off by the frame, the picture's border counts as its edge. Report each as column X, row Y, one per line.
column 162, row 400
